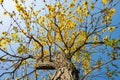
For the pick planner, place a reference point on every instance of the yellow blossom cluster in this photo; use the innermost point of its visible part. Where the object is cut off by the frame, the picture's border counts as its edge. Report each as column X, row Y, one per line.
column 106, row 38
column 85, row 3
column 70, row 24
column 1, row 1
column 4, row 42
column 86, row 65
column 22, row 49
column 35, row 13
column 24, row 14
column 105, row 1
column 109, row 13
column 7, row 78
column 3, row 59
column 110, row 28
column 95, row 38
column 51, row 8
column 71, row 5
column 76, row 57
column 62, row 27
column 92, row 5
column 36, row 74
column 104, row 30
column 14, row 35
column 4, row 33
column 36, row 45
column 41, row 20
column 16, row 78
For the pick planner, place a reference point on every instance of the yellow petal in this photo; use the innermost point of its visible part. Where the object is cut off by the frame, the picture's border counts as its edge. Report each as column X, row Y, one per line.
column 111, row 28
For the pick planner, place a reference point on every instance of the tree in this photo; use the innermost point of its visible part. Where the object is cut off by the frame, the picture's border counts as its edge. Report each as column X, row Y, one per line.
column 72, row 37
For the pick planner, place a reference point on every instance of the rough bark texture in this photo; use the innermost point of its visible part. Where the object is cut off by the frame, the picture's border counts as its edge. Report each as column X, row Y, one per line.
column 65, row 70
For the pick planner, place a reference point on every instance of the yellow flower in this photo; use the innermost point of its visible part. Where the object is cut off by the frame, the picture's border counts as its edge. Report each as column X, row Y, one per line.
column 87, row 64
column 34, row 65
column 81, row 19
column 16, row 78
column 59, row 5
column 106, row 38
column 104, row 30
column 5, row 12
column 66, row 51
column 111, row 28
column 87, row 13
column 18, row 7
column 83, row 59
column 79, row 9
column 22, row 49
column 7, row 79
column 104, row 1
column 95, row 39
column 15, row 29
column 3, row 42
column 8, row 40
column 36, row 74
column 24, row 62
column 85, row 3
column 84, row 9
column 1, row 1
column 74, row 0
column 87, row 71
column 3, row 59
column 1, row 39
column 4, row 33
column 45, row 51
column 14, row 35
column 72, row 5
column 58, row 37
column 92, row 5
column 112, row 11
column 50, row 7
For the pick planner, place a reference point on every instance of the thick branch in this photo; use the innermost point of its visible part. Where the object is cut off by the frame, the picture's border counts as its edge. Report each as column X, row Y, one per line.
column 45, row 65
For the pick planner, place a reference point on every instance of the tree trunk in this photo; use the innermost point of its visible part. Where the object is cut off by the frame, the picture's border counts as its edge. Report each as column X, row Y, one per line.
column 66, row 73
column 65, row 69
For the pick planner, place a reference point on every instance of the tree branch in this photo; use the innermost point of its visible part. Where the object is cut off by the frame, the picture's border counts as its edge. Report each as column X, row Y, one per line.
column 94, row 68
column 45, row 65
column 10, row 54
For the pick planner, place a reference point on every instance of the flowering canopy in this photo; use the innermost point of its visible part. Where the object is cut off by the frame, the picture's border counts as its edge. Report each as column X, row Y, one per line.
column 75, row 27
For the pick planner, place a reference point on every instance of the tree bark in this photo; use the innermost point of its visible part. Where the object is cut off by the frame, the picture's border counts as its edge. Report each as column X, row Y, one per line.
column 65, row 69
column 67, row 72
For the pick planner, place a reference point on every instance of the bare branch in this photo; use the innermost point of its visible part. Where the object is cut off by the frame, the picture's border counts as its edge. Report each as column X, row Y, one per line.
column 10, row 54
column 45, row 65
